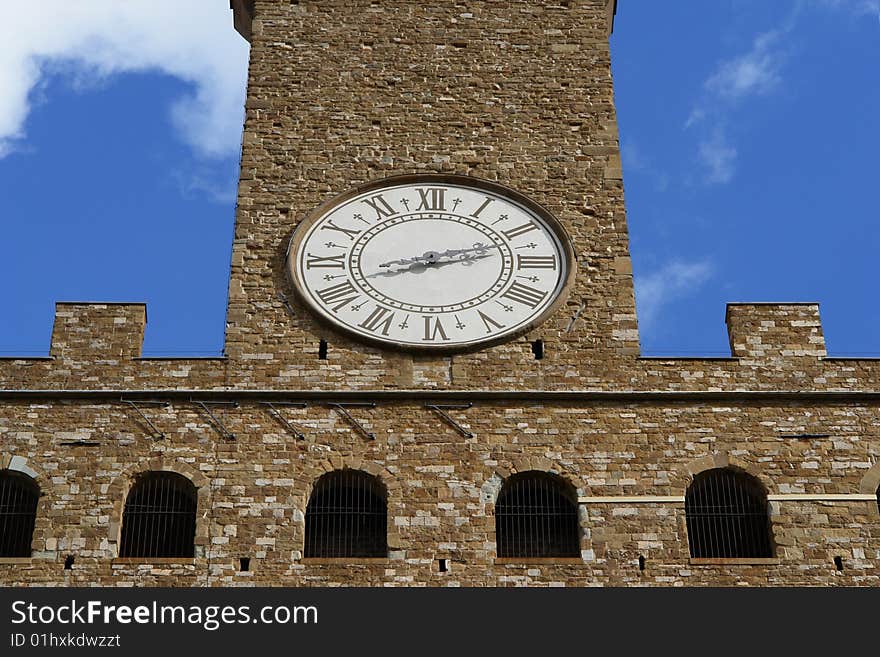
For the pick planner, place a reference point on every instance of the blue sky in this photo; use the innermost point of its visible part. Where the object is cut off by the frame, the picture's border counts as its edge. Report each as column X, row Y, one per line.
column 749, row 134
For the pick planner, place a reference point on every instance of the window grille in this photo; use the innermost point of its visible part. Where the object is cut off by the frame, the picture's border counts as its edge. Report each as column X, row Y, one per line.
column 160, row 517
column 726, row 514
column 19, row 495
column 537, row 516
column 347, row 516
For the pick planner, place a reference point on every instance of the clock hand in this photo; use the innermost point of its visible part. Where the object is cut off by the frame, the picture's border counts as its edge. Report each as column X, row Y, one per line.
column 431, row 257
column 419, row 267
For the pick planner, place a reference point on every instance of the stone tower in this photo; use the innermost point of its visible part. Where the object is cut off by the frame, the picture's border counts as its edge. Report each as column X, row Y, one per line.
column 513, row 100
column 341, row 94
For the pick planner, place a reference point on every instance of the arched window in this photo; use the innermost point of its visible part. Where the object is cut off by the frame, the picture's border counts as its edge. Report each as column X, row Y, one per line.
column 537, row 516
column 347, row 516
column 726, row 513
column 18, row 513
column 160, row 517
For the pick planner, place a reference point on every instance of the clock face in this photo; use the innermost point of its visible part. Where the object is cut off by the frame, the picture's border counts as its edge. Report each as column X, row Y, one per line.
column 431, row 262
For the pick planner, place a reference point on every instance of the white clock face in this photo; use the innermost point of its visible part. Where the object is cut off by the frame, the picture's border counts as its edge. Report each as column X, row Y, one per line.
column 428, row 263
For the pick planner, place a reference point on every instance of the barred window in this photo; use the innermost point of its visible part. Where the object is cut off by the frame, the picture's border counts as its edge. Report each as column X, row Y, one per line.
column 19, row 495
column 347, row 516
column 537, row 516
column 726, row 512
column 160, row 517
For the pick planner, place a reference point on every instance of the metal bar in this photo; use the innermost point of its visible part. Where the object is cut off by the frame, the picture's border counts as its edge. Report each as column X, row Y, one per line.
column 340, row 407
column 441, row 410
column 679, row 499
column 286, row 303
column 535, row 517
column 346, row 516
column 156, row 435
column 19, row 497
column 159, row 517
column 217, row 423
column 290, row 426
column 726, row 514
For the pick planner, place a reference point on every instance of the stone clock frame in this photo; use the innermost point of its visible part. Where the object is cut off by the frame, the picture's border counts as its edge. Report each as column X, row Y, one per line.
column 302, row 228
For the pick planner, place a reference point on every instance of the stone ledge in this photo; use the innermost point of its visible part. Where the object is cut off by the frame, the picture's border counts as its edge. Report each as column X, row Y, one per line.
column 539, row 561
column 751, row 561
column 345, row 561
column 154, row 561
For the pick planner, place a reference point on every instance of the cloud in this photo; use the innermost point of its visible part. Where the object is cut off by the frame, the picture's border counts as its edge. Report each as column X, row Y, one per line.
column 634, row 161
column 856, row 7
column 754, row 72
column 203, row 181
column 675, row 280
column 718, row 157
column 91, row 40
column 736, row 79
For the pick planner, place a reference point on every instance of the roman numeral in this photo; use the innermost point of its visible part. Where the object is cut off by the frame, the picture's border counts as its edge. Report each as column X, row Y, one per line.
column 330, row 262
column 433, row 328
column 431, row 198
column 331, row 226
column 476, row 213
column 488, row 320
column 520, row 230
column 380, row 205
column 536, row 262
column 339, row 294
column 525, row 294
column 380, row 318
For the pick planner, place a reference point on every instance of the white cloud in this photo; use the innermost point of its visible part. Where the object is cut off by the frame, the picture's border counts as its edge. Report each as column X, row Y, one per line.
column 857, row 7
column 203, row 180
column 634, row 161
column 719, row 158
column 754, row 72
column 90, row 40
column 675, row 280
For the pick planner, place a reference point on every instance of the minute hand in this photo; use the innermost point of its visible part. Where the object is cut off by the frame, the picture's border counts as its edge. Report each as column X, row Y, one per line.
column 431, row 257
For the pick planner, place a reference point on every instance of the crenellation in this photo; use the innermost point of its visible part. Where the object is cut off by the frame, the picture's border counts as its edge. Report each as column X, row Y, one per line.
column 772, row 330
column 113, row 332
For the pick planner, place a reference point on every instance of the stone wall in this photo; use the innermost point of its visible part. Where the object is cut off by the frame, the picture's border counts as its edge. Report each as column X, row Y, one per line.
column 629, row 462
column 519, row 92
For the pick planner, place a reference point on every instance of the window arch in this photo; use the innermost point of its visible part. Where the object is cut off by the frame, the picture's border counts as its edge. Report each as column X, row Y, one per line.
column 536, row 515
column 19, row 495
column 347, row 516
column 726, row 513
column 159, row 519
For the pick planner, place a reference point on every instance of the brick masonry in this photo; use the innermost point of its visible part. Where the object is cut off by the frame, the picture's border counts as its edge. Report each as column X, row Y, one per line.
column 518, row 92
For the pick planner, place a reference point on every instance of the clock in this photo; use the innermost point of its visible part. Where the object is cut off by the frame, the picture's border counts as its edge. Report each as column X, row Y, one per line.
column 431, row 262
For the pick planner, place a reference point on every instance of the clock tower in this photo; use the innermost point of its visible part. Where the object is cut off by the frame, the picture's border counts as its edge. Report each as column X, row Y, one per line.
column 381, row 135
column 432, row 372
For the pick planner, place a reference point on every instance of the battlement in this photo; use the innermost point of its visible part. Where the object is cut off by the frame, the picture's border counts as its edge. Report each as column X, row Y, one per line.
column 775, row 330
column 244, row 12
column 242, row 16
column 105, row 331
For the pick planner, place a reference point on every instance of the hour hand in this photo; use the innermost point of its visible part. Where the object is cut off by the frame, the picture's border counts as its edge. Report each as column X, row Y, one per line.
column 402, row 261
column 431, row 257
